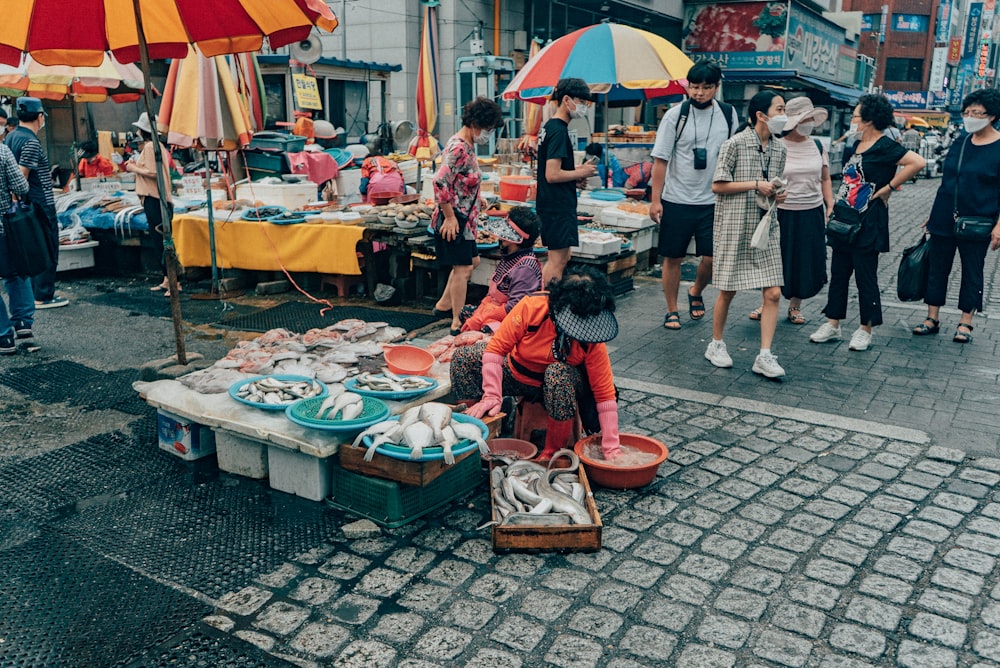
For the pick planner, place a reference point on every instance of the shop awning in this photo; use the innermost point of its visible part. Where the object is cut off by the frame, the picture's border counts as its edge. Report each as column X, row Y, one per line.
column 277, row 59
column 836, row 91
column 791, row 78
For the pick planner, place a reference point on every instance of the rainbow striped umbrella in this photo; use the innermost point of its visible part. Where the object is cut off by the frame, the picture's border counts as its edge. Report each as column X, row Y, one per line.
column 603, row 55
column 427, row 83
column 57, row 32
column 532, row 113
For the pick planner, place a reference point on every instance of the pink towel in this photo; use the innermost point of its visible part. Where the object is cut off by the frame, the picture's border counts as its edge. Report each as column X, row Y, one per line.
column 320, row 167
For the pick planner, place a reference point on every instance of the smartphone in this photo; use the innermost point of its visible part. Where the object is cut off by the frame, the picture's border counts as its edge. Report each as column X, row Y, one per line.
column 591, row 160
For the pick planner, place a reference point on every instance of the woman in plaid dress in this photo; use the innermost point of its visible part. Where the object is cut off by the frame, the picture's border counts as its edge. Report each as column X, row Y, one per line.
column 747, row 164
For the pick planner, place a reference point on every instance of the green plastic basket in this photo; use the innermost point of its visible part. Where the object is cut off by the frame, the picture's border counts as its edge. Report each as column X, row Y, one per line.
column 393, row 504
column 304, row 413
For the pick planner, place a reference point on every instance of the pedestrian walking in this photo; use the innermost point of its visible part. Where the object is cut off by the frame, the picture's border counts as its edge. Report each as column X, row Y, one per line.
column 877, row 168
column 456, row 190
column 802, row 217
column 34, row 162
column 558, row 176
column 682, row 202
column 748, row 164
column 970, row 186
column 17, row 317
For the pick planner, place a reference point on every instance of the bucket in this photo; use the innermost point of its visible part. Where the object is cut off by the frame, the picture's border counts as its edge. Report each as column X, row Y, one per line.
column 514, row 448
column 515, row 188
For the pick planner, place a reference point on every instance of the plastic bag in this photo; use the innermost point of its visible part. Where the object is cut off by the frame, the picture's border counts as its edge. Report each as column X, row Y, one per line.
column 911, row 279
column 762, row 233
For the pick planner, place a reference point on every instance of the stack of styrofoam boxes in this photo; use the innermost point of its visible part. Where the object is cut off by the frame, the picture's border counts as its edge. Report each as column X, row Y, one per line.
column 615, row 217
column 182, row 437
column 483, row 272
column 305, row 474
column 409, row 170
column 597, row 243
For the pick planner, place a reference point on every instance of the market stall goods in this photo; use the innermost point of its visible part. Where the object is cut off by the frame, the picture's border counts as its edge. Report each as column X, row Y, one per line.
column 527, row 493
column 445, row 347
column 426, row 432
column 277, row 391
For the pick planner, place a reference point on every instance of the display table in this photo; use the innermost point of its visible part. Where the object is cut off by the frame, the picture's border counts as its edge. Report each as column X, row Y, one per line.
column 243, row 244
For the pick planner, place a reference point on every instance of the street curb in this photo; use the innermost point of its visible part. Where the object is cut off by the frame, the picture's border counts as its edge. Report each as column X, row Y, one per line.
column 801, row 415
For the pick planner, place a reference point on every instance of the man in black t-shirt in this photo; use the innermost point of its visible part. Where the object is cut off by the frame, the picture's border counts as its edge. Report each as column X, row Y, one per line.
column 558, row 176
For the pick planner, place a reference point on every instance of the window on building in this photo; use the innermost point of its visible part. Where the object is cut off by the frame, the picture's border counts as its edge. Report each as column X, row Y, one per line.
column 904, row 69
column 274, row 91
column 348, row 106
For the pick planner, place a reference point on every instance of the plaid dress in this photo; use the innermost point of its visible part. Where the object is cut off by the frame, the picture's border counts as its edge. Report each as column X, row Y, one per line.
column 737, row 266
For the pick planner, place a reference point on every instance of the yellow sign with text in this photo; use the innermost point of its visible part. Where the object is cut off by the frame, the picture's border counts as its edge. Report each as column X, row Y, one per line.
column 306, row 92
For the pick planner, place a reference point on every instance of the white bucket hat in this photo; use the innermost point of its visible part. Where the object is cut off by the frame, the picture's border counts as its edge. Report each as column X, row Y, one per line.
column 800, row 109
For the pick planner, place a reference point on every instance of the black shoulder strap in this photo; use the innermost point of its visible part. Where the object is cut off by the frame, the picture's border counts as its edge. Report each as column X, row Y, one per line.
column 682, row 120
column 819, row 146
column 727, row 109
column 958, row 171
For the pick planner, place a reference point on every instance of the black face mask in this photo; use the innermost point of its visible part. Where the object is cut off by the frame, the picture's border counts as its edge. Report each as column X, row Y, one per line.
column 702, row 105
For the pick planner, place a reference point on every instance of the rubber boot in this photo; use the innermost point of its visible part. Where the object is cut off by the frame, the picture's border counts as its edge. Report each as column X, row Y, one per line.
column 557, row 435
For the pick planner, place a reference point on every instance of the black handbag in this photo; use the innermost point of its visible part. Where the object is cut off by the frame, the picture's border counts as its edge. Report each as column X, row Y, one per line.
column 970, row 228
column 843, row 227
column 27, row 249
column 914, row 266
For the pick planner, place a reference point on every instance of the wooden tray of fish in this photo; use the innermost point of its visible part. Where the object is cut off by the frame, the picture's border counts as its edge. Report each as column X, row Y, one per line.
column 550, row 537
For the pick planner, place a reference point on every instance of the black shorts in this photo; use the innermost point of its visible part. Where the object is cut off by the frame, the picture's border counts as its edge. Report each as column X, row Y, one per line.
column 457, row 253
column 680, row 222
column 559, row 230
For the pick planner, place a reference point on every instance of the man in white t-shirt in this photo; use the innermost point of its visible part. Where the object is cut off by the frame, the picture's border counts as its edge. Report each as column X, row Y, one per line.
column 685, row 153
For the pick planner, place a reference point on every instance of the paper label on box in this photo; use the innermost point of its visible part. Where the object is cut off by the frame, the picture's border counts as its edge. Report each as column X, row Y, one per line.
column 192, row 185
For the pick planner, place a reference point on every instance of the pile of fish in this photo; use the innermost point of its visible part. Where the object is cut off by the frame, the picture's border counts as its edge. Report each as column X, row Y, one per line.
column 420, row 427
column 345, row 404
column 527, row 493
column 278, row 392
column 445, row 347
column 329, row 355
column 387, row 381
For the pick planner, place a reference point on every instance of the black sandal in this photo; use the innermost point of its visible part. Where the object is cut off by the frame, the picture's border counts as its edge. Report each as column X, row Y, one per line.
column 696, row 303
column 672, row 318
column 963, row 337
column 923, row 330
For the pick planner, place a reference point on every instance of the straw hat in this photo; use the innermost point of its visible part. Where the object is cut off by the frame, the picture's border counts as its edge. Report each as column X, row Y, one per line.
column 800, row 109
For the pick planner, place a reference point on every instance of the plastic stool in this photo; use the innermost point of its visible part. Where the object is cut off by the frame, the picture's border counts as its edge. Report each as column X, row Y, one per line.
column 532, row 417
column 344, row 282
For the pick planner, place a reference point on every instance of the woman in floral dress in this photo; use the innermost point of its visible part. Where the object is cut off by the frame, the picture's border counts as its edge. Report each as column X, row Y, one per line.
column 456, row 190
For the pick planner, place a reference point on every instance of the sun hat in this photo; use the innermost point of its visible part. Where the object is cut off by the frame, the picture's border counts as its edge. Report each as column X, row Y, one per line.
column 800, row 109
column 143, row 123
column 502, row 227
column 597, row 328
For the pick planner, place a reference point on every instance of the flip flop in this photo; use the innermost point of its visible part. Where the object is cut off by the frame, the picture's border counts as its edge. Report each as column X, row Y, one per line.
column 696, row 303
column 672, row 318
column 441, row 314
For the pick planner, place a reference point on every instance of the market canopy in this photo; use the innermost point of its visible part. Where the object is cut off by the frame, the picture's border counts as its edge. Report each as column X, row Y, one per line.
column 604, row 55
column 57, row 32
column 121, row 82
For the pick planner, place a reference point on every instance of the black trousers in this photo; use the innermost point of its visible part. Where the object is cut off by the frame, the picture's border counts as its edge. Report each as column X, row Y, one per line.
column 942, row 255
column 864, row 265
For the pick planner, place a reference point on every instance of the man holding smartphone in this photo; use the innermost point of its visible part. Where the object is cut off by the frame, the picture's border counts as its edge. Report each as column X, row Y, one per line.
column 684, row 155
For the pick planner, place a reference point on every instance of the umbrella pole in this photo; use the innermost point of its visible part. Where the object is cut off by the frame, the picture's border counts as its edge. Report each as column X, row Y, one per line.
column 211, row 225
column 607, row 144
column 169, row 251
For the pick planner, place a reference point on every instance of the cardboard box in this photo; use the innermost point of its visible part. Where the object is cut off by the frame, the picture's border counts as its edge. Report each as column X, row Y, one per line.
column 561, row 538
column 182, row 437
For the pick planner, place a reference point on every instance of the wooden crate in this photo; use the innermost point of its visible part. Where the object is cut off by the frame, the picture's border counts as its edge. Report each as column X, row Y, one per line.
column 566, row 538
column 418, row 474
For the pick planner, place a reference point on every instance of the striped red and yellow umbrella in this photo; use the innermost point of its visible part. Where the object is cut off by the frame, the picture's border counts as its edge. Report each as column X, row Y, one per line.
column 427, row 86
column 57, row 32
column 532, row 112
column 121, row 82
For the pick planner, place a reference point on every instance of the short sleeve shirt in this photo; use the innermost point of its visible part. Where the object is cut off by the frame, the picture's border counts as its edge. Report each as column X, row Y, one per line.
column 978, row 185
column 864, row 175
column 554, row 144
column 29, row 154
column 705, row 128
column 804, row 165
column 457, row 183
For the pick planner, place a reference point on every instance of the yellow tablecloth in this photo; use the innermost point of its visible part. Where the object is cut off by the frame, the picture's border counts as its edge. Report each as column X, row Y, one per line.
column 241, row 244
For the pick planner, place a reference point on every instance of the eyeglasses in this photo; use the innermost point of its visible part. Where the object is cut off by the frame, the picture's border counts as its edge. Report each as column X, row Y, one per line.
column 972, row 113
column 855, row 116
column 701, row 88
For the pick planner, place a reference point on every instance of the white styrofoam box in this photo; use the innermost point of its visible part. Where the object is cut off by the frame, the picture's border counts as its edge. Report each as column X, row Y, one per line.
column 299, row 474
column 643, row 239
column 482, row 274
column 240, row 455
column 409, row 170
column 182, row 437
column 288, row 195
column 592, row 207
column 76, row 256
column 594, row 244
column 348, row 182
column 427, row 187
column 617, row 218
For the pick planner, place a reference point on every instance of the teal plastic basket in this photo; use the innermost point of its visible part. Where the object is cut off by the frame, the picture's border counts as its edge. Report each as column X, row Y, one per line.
column 393, row 504
column 304, row 413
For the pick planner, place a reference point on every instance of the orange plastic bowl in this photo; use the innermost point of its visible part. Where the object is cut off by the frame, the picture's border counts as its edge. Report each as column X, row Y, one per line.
column 622, row 477
column 512, row 447
column 408, row 360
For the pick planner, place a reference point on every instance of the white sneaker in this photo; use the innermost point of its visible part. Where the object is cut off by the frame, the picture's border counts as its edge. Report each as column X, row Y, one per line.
column 767, row 365
column 860, row 340
column 826, row 332
column 718, row 355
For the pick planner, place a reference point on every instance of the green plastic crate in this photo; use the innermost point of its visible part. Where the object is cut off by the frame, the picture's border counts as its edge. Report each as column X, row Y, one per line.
column 393, row 504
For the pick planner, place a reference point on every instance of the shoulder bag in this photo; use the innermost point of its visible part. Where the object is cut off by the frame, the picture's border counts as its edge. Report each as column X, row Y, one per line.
column 843, row 227
column 27, row 250
column 969, row 228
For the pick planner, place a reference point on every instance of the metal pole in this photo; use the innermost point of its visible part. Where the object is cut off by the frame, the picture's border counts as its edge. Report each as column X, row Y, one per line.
column 170, row 253
column 211, row 224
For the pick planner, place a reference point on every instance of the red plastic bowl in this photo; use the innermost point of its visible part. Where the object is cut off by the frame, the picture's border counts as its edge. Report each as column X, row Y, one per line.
column 512, row 447
column 608, row 475
column 382, row 197
column 408, row 360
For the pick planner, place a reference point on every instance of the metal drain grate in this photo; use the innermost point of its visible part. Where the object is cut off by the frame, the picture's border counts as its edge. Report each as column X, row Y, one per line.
column 63, row 605
column 301, row 317
column 78, row 385
column 204, row 646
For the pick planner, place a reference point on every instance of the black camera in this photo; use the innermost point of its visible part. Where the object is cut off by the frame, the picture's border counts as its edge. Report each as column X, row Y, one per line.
column 700, row 158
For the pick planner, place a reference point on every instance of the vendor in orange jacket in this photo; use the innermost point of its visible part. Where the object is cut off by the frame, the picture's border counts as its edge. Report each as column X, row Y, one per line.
column 550, row 347
column 93, row 163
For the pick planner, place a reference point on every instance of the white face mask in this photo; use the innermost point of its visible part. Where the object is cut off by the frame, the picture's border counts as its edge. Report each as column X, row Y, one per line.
column 854, row 129
column 973, row 125
column 776, row 124
column 805, row 129
column 484, row 137
column 580, row 111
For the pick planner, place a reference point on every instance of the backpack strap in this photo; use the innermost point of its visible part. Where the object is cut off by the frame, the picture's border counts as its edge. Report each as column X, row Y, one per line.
column 682, row 120
column 819, row 146
column 727, row 110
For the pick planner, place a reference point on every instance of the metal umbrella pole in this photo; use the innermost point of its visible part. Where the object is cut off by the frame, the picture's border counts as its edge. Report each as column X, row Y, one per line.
column 211, row 225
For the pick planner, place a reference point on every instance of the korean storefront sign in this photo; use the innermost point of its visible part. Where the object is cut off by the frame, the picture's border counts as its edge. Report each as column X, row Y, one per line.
column 955, row 50
column 306, row 92
column 972, row 30
column 814, row 47
column 939, row 63
column 744, row 35
column 943, row 22
column 905, row 99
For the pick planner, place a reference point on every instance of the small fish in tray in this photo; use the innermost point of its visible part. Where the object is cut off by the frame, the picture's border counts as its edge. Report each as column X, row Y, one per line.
column 387, row 381
column 278, row 392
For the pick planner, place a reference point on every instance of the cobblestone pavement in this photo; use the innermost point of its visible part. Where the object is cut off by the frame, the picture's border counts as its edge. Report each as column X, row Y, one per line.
column 765, row 542
column 930, row 383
